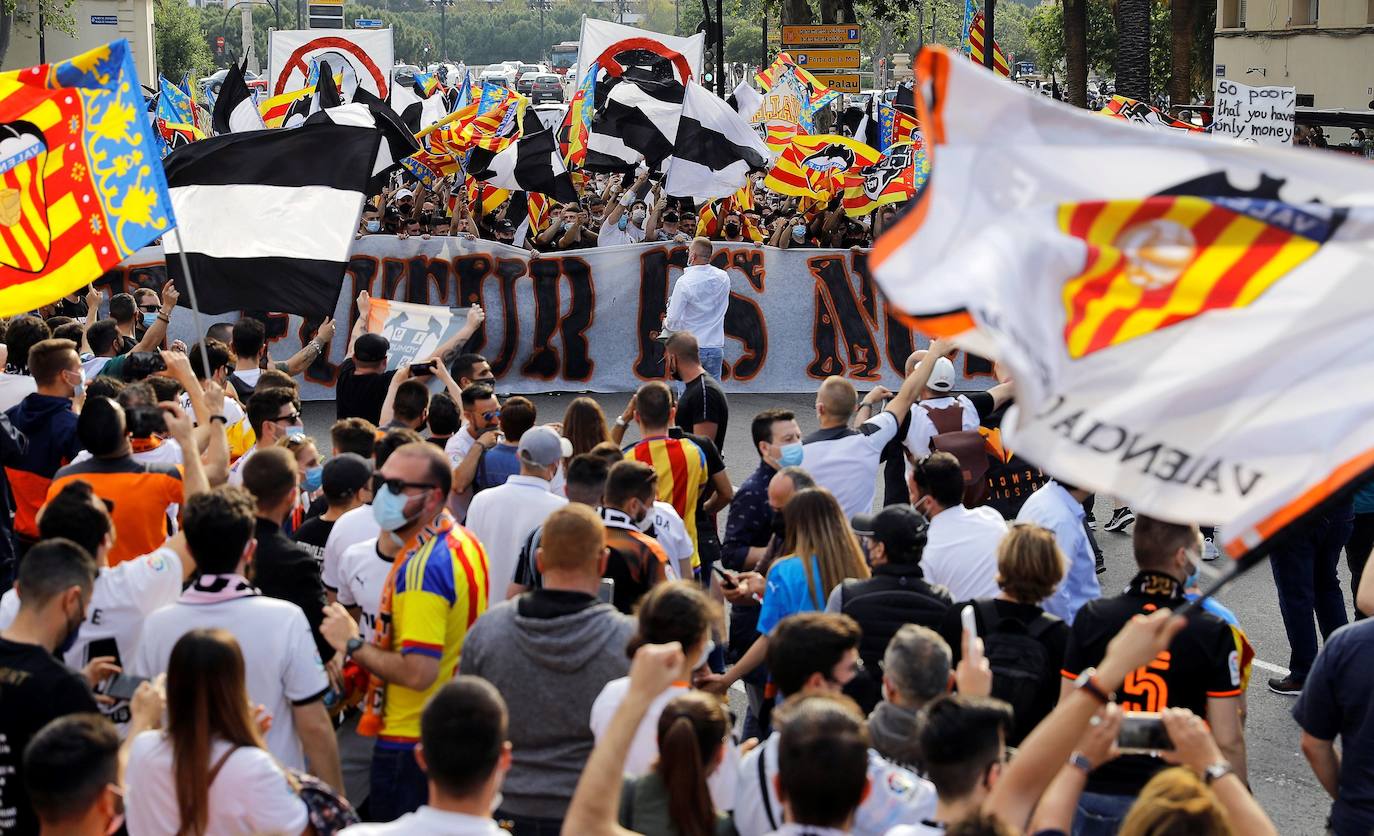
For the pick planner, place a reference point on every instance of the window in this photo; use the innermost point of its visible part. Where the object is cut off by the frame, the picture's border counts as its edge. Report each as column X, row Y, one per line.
column 1233, row 14
column 1306, row 100
column 1304, row 13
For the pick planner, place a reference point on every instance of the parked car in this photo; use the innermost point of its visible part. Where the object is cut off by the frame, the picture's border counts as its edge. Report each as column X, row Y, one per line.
column 211, row 83
column 499, row 74
column 544, row 87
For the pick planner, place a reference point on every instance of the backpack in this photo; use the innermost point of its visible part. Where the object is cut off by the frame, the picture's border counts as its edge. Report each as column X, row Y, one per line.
column 1017, row 658
column 967, row 446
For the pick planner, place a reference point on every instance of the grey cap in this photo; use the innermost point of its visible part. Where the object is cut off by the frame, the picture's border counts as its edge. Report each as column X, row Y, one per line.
column 541, row 447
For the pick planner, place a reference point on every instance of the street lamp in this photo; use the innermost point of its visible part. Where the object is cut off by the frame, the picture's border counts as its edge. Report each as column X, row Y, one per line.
column 541, row 5
column 443, row 26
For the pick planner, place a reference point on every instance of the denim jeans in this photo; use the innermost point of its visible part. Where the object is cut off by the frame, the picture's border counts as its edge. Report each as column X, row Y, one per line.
column 1304, row 566
column 711, row 360
column 528, row 825
column 1100, row 814
column 399, row 785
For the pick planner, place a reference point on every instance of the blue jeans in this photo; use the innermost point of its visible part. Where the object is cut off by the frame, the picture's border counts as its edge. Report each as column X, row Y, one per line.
column 1100, row 814
column 1304, row 566
column 399, row 786
column 711, row 360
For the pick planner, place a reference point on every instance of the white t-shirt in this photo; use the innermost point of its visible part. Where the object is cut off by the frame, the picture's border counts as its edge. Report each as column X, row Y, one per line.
column 961, row 551
column 501, row 518
column 282, row 665
column 922, row 429
column 121, row 600
column 14, row 388
column 643, row 752
column 459, row 444
column 845, row 461
column 923, row 828
column 611, row 234
column 168, row 451
column 249, row 376
column 93, row 365
column 236, row 469
column 249, row 795
column 353, row 527
column 233, row 413
column 671, row 533
column 428, row 821
column 362, row 577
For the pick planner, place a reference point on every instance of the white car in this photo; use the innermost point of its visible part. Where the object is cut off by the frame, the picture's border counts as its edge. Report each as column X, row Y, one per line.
column 499, row 74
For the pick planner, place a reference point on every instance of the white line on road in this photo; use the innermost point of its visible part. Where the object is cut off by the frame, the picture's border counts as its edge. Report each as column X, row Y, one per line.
column 1265, row 666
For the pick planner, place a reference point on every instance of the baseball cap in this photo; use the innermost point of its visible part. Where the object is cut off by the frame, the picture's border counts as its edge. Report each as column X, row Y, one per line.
column 371, row 348
column 900, row 529
column 503, row 225
column 942, row 376
column 540, row 447
column 404, row 193
column 345, row 474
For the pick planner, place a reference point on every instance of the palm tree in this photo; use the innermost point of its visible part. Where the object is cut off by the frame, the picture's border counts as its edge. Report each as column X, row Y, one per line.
column 1133, row 49
column 1076, row 50
column 1182, row 21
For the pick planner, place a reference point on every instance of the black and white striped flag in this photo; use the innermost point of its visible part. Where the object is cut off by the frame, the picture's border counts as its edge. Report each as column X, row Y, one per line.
column 530, row 164
column 235, row 109
column 636, row 117
column 267, row 218
column 398, row 141
column 715, row 148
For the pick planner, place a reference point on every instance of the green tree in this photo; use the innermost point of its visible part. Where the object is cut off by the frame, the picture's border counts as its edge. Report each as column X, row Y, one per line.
column 56, row 14
column 181, row 45
column 743, row 41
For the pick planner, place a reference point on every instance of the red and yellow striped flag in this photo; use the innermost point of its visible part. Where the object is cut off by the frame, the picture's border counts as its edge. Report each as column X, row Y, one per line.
column 815, row 166
column 975, row 47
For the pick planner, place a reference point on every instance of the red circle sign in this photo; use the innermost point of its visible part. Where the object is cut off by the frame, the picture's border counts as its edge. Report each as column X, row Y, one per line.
column 362, row 62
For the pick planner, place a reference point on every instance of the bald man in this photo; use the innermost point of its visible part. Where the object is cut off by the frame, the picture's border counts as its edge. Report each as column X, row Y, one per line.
column 698, row 304
column 844, row 459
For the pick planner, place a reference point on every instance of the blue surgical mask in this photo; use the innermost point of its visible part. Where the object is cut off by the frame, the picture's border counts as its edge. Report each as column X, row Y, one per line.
column 790, row 455
column 373, row 226
column 149, row 319
column 292, row 432
column 314, row 477
column 623, row 223
column 799, row 230
column 389, row 509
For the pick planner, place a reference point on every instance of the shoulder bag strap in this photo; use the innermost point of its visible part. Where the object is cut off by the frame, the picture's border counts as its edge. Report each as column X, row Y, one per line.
column 763, row 787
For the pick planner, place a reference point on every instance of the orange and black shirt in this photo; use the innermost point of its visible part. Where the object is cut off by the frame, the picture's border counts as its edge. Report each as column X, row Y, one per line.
column 141, row 493
column 636, row 561
column 1201, row 663
column 49, row 428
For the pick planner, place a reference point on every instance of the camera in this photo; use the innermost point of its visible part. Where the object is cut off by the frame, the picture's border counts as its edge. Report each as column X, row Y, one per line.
column 143, row 364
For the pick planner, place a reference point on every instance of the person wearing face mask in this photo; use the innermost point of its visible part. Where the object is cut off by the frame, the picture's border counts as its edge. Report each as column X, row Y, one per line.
column 749, row 527
column 282, row 668
column 961, row 543
column 46, row 418
column 435, row 590
column 732, row 229
column 55, row 580
column 371, row 223
column 698, row 303
column 636, row 561
column 620, row 225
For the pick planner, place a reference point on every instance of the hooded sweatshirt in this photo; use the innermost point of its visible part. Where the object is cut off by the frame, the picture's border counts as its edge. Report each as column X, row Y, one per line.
column 895, row 732
column 49, row 425
column 549, row 653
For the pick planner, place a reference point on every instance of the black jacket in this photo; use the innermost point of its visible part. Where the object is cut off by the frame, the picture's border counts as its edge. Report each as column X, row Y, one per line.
column 896, row 595
column 285, row 570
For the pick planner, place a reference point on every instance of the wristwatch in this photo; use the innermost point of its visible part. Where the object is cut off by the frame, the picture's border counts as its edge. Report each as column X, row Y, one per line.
column 1081, row 761
column 1087, row 681
column 621, row 422
column 1216, row 772
column 354, row 645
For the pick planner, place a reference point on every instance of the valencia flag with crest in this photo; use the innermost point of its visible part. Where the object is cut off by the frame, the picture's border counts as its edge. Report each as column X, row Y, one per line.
column 81, row 184
column 1186, row 317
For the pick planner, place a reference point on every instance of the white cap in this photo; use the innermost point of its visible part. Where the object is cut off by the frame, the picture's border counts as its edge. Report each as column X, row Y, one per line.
column 400, row 193
column 942, row 376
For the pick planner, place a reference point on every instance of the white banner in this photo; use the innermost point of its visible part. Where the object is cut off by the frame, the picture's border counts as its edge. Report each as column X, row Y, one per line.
column 584, row 320
column 414, row 331
column 1262, row 115
column 602, row 37
column 363, row 56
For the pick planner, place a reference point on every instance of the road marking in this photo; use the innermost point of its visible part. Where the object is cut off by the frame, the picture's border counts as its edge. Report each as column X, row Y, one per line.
column 1265, row 666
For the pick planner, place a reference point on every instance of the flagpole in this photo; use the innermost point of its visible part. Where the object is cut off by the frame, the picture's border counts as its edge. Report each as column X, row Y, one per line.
column 195, row 306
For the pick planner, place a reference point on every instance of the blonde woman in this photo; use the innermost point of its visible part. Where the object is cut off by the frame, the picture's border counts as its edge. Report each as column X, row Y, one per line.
column 820, row 551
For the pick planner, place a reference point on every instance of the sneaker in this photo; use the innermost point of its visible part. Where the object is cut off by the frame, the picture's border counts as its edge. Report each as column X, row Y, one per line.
column 1092, row 524
column 1209, row 549
column 1121, row 518
column 1288, row 686
column 1101, row 565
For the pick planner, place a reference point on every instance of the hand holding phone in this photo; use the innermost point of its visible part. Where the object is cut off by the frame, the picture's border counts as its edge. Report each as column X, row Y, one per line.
column 1143, row 733
column 122, row 686
column 422, row 369
column 727, row 580
column 970, row 627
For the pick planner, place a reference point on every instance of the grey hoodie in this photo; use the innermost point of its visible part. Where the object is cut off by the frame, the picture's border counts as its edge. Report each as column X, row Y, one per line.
column 550, row 671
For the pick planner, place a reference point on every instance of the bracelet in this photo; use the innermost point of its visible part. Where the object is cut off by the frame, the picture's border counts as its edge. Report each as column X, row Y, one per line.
column 621, row 422
column 164, row 317
column 219, row 418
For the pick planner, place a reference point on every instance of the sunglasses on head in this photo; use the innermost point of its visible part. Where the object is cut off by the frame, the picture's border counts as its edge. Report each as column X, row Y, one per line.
column 398, row 485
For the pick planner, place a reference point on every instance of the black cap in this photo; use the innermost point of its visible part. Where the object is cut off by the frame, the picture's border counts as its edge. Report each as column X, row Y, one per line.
column 371, row 348
column 345, row 474
column 900, row 529
column 503, row 225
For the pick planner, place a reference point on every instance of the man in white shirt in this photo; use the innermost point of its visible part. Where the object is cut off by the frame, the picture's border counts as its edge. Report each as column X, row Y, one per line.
column 465, row 754
column 122, row 597
column 936, row 397
column 844, row 460
column 273, row 414
column 961, row 543
column 1059, row 508
column 700, row 298
column 502, row 517
column 624, row 224
column 283, row 668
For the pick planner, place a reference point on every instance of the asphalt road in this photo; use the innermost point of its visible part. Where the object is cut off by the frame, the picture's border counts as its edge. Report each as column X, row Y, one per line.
column 1279, row 774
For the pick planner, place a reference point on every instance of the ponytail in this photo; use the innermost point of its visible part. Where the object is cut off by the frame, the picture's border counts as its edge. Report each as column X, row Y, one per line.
column 691, row 731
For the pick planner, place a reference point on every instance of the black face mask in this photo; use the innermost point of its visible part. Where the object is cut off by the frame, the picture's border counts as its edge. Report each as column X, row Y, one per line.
column 426, row 219
column 732, row 229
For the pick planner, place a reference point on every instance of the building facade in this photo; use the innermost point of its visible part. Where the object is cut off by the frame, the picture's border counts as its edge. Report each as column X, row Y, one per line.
column 1323, row 48
column 97, row 23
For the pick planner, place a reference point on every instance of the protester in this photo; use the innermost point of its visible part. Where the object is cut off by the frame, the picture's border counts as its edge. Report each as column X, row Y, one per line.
column 435, row 591
column 22, row 333
column 915, row 668
column 250, row 354
column 345, row 483
column 819, row 653
column 55, row 587
column 1304, row 562
column 697, row 305
column 488, row 465
column 961, row 543
column 273, row 414
column 749, row 527
column 210, row 770
column 938, row 411
column 72, row 776
column 465, row 753
column 443, row 419
column 584, row 425
column 283, row 668
column 586, row 486
column 550, row 652
column 679, row 463
column 502, row 517
column 674, row 796
column 48, row 422
column 702, row 408
column 893, row 541
column 1024, row 644
column 1199, row 672
column 635, row 561
column 1059, row 508
column 480, row 431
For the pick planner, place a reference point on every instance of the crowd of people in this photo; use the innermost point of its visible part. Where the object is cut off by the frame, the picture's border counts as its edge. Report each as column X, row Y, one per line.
column 456, row 615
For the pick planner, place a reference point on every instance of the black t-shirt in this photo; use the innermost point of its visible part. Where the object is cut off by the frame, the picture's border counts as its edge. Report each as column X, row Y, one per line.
column 313, row 534
column 360, row 395
column 1201, row 662
column 1011, row 479
column 288, row 572
column 1055, row 641
column 35, row 689
column 703, row 400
